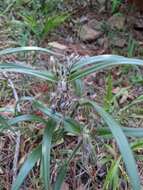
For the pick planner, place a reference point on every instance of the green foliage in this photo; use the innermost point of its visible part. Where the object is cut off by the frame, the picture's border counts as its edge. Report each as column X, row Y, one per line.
column 108, row 96
column 132, row 44
column 99, row 62
column 115, row 5
column 64, row 122
column 43, row 27
column 33, row 19
column 112, row 177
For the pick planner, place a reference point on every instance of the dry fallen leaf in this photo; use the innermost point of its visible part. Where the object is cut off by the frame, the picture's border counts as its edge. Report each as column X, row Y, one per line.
column 116, row 90
column 81, row 187
column 124, row 98
column 65, row 186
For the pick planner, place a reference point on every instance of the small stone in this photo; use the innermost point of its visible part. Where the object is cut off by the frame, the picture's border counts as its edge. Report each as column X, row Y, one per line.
column 83, row 20
column 57, row 45
column 117, row 22
column 95, row 24
column 139, row 23
column 86, row 33
column 119, row 42
column 104, row 42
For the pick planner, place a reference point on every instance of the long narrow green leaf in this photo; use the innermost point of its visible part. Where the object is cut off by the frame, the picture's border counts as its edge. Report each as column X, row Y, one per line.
column 26, row 117
column 27, row 167
column 46, row 151
column 138, row 144
column 105, row 59
column 122, row 142
column 133, row 132
column 129, row 131
column 89, row 65
column 48, row 111
column 46, row 75
column 28, row 48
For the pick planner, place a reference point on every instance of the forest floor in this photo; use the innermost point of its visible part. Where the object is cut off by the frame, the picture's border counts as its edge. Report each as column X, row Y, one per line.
column 90, row 30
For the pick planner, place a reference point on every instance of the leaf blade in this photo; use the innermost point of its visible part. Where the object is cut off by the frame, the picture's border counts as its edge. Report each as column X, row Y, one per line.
column 93, row 64
column 27, row 48
column 27, row 166
column 46, row 151
column 46, row 75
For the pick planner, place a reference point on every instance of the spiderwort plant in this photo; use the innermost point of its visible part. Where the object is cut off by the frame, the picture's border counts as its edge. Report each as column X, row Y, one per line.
column 73, row 74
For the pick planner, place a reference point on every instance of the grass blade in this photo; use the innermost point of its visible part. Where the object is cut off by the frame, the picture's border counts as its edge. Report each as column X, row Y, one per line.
column 26, row 117
column 27, row 167
column 129, row 131
column 47, row 111
column 90, row 65
column 71, row 126
column 27, row 48
column 46, row 151
column 46, row 75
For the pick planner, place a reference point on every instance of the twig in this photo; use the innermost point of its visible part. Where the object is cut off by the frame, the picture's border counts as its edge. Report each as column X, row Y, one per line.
column 18, row 135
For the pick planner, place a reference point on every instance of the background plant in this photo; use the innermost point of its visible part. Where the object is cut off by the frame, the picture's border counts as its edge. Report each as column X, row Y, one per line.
column 33, row 20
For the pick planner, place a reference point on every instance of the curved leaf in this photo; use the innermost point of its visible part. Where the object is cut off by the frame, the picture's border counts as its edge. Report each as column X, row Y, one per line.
column 92, row 64
column 26, row 117
column 46, row 75
column 27, row 167
column 27, row 48
column 71, row 126
column 121, row 141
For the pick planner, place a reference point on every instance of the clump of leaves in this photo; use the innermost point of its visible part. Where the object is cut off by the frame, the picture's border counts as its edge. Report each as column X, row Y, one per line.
column 37, row 18
column 58, row 118
column 116, row 4
column 40, row 28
